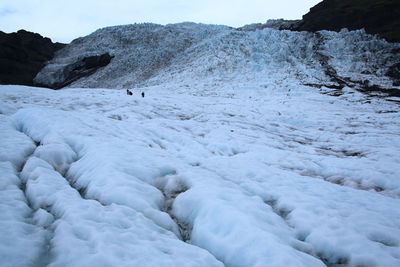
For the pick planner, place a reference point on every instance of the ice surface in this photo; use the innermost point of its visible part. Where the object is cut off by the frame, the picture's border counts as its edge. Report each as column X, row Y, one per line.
column 248, row 174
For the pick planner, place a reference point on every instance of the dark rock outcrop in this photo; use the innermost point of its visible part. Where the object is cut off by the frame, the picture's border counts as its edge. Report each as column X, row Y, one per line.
column 83, row 67
column 394, row 73
column 277, row 24
column 375, row 16
column 22, row 55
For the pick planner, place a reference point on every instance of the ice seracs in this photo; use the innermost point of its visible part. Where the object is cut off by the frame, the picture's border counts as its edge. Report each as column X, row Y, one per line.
column 150, row 54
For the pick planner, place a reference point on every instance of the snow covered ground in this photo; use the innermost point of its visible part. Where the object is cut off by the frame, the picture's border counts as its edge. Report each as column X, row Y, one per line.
column 255, row 173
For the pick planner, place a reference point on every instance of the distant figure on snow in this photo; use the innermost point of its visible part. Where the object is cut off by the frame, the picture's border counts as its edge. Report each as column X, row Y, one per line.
column 128, row 92
column 142, row 94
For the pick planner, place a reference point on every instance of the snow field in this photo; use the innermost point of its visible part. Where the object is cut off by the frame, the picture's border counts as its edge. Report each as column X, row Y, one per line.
column 247, row 176
column 77, row 229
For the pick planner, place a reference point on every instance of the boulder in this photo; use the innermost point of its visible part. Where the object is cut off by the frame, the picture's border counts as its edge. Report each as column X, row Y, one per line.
column 83, row 67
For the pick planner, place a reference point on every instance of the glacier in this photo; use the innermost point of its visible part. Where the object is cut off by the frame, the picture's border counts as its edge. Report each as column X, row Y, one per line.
column 250, row 148
column 150, row 54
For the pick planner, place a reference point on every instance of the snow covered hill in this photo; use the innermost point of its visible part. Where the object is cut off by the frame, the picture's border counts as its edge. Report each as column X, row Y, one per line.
column 150, row 54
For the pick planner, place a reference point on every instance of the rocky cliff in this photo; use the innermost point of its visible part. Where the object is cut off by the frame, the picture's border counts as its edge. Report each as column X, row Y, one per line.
column 22, row 55
column 375, row 16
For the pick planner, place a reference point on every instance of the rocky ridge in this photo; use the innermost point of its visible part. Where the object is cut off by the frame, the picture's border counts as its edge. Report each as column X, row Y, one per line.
column 375, row 16
column 22, row 55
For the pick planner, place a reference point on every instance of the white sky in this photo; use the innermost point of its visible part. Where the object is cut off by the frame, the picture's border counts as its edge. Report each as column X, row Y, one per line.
column 64, row 21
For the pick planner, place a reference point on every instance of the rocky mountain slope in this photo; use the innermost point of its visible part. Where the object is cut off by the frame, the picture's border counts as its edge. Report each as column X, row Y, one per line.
column 22, row 55
column 375, row 16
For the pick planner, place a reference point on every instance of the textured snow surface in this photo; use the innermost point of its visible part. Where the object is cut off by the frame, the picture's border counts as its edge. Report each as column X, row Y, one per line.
column 239, row 174
column 151, row 54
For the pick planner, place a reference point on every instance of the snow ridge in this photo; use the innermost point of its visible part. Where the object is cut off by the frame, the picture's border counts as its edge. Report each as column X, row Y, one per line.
column 42, row 217
column 67, row 209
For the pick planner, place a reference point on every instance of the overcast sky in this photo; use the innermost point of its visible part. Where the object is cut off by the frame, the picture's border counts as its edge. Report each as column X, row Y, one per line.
column 65, row 20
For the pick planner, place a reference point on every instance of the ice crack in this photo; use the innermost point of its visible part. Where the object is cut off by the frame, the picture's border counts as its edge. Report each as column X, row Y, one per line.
column 171, row 187
column 44, row 258
column 300, row 244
